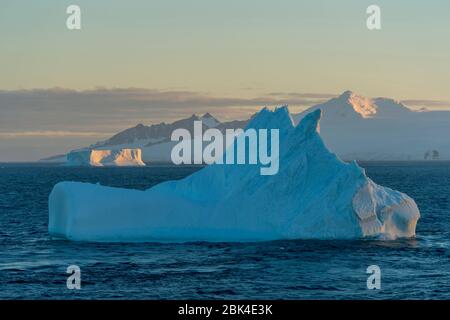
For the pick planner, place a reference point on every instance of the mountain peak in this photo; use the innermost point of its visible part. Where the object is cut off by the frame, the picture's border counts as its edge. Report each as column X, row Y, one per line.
column 346, row 94
column 209, row 120
column 350, row 105
column 357, row 103
column 207, row 115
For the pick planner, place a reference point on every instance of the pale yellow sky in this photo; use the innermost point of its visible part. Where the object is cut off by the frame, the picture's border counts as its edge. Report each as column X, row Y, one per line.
column 221, row 47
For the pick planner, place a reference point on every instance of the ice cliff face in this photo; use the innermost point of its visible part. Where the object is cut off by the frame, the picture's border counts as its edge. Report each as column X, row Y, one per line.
column 314, row 196
column 100, row 158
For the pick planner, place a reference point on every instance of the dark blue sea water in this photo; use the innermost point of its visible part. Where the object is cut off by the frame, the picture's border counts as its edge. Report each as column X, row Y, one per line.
column 34, row 267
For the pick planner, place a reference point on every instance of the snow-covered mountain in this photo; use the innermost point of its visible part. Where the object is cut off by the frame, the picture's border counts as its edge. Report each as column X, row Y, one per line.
column 361, row 128
column 353, row 126
column 351, row 106
column 154, row 140
column 148, row 135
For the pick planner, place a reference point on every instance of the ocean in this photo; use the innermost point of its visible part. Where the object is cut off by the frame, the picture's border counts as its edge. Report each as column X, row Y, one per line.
column 32, row 266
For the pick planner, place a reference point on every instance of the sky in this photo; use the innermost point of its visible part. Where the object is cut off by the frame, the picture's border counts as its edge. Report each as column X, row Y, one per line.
column 146, row 61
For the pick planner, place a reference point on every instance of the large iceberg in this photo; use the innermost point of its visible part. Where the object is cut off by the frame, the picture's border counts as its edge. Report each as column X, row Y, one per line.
column 313, row 196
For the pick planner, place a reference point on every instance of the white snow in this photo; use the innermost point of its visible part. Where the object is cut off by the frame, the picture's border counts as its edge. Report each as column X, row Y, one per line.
column 314, row 196
column 359, row 128
column 100, row 158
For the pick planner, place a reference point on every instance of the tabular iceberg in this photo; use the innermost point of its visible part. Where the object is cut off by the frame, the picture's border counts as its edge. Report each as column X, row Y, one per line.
column 101, row 158
column 314, row 196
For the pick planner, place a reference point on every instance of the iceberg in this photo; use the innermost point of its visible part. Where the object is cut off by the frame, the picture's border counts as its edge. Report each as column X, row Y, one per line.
column 100, row 158
column 314, row 195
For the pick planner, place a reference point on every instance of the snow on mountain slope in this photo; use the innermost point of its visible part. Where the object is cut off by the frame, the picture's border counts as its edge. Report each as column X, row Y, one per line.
column 314, row 196
column 147, row 135
column 358, row 128
column 350, row 106
column 100, row 158
column 142, row 134
column 154, row 140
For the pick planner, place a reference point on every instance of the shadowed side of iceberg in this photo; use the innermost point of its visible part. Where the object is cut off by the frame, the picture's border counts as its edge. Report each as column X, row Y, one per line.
column 88, row 212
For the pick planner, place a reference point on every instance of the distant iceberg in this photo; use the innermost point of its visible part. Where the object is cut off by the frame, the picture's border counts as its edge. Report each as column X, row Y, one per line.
column 100, row 158
column 314, row 196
